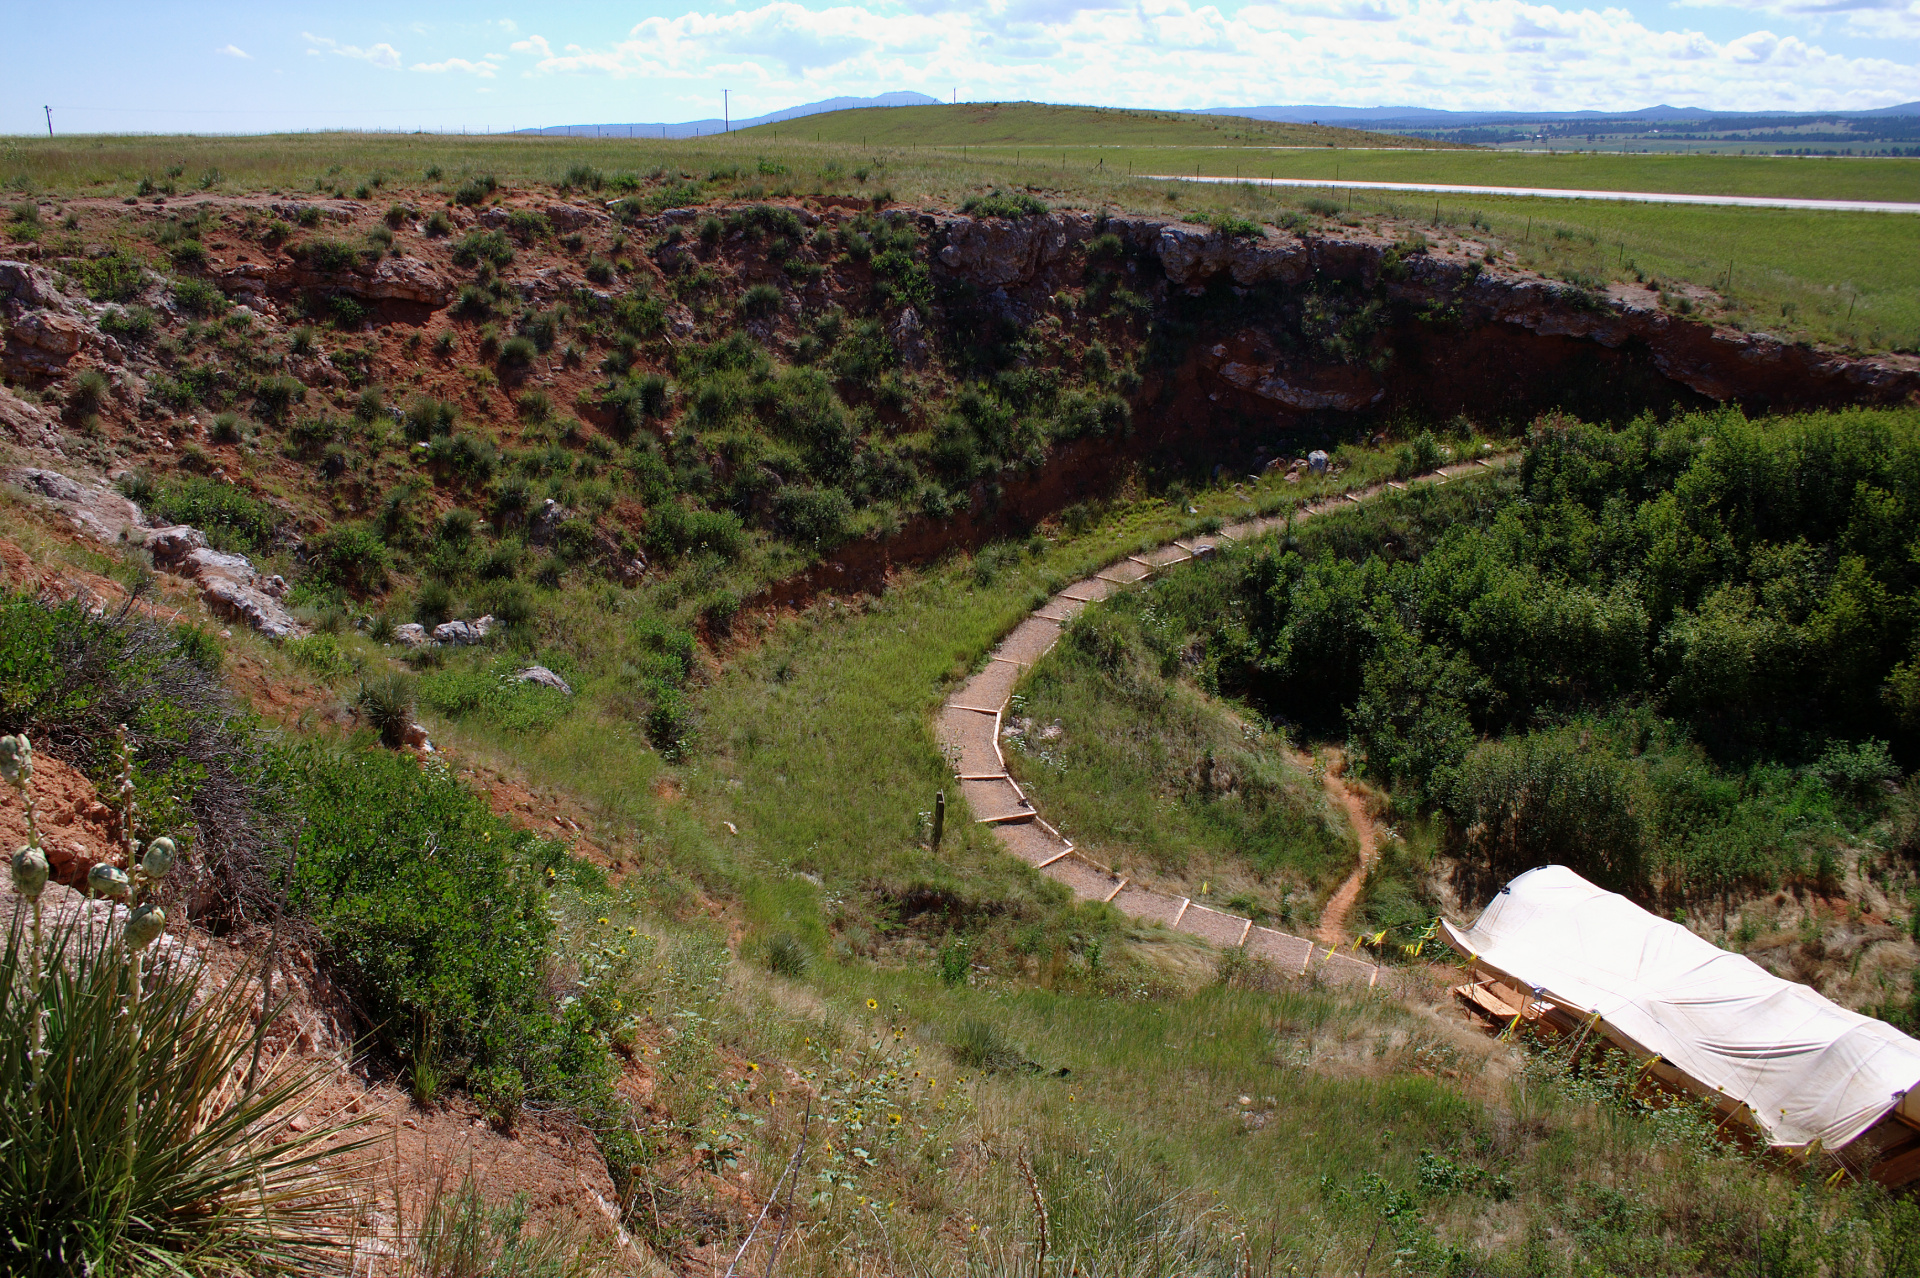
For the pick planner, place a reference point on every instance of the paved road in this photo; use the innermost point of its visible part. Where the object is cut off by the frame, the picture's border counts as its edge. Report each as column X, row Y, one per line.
column 1556, row 193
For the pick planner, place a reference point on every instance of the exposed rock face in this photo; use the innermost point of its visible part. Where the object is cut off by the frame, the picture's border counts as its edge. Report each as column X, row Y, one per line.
column 45, row 328
column 1480, row 313
column 545, row 678
column 402, row 279
column 572, row 217
column 995, row 252
column 411, row 635
column 93, row 509
column 30, row 425
column 231, row 586
column 546, row 522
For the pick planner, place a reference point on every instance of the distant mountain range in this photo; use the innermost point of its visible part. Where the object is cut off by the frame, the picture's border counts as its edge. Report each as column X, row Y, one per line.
column 1397, row 119
column 1404, row 117
column 701, row 128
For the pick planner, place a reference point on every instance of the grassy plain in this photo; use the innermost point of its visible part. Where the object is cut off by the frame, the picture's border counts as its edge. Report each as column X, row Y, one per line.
column 1037, row 124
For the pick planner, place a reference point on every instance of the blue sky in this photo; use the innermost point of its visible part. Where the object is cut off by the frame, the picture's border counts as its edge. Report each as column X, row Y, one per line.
column 228, row 67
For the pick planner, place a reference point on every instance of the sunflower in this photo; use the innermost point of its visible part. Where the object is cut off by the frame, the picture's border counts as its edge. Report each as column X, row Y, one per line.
column 872, row 1004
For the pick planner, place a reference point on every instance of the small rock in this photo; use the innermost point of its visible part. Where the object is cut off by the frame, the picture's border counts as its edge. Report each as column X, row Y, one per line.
column 411, row 635
column 464, row 633
column 545, row 678
column 416, row 737
column 545, row 524
column 1317, row 461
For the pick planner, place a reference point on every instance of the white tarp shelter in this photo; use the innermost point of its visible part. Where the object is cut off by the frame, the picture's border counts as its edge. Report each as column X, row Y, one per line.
column 1806, row 1068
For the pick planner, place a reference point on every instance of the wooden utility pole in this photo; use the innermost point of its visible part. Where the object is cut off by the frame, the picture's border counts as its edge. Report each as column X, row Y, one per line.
column 49, row 111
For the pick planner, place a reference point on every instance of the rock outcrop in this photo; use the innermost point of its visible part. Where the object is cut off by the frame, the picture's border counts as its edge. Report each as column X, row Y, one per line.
column 545, row 678
column 398, row 279
column 1456, row 301
column 45, row 328
column 231, row 585
column 93, row 509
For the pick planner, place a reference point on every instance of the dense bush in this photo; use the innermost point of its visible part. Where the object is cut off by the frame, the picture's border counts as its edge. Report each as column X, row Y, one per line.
column 1003, row 204
column 350, row 557
column 434, row 914
column 231, row 518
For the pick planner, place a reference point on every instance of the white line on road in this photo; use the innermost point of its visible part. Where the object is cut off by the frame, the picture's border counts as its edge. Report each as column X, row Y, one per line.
column 1553, row 193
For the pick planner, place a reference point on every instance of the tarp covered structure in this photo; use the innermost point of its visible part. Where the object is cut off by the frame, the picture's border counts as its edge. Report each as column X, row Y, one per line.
column 1807, row 1068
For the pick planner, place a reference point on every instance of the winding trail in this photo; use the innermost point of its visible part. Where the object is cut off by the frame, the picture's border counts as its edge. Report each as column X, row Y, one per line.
column 1346, row 795
column 968, row 730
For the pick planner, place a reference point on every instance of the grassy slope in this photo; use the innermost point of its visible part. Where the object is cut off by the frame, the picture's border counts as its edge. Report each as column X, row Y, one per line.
column 1005, row 124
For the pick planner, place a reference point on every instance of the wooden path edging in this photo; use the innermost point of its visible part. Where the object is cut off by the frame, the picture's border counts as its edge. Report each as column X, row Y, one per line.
column 968, row 730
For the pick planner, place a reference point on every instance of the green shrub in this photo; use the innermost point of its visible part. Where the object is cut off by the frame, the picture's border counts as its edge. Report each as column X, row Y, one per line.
column 349, row 557
column 471, row 457
column 1003, row 204
column 325, row 657
column 330, row 257
column 275, row 396
column 759, row 301
column 69, row 677
column 231, row 518
column 189, row 255
column 433, row 914
column 491, row 695
column 439, row 225
column 475, row 247
column 787, row 956
column 387, row 703
column 582, row 177
column 476, row 190
column 977, row 1044
column 113, row 277
column 816, row 517
column 673, row 530
column 518, row 352
column 89, row 392
column 528, row 226
column 129, row 324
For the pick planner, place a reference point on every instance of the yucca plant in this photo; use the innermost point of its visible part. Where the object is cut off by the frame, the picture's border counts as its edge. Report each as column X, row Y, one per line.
column 129, row 1143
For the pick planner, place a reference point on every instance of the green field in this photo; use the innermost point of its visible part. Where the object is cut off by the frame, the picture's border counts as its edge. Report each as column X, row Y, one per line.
column 1007, row 124
column 1167, row 143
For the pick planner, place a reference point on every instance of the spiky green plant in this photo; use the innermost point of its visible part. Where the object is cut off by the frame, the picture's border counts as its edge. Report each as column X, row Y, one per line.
column 387, row 703
column 126, row 1144
column 196, row 1182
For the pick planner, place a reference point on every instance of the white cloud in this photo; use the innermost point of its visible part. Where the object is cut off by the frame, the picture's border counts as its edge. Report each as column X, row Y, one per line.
column 507, row 25
column 381, row 55
column 1883, row 19
column 482, row 68
column 1465, row 54
column 234, row 51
